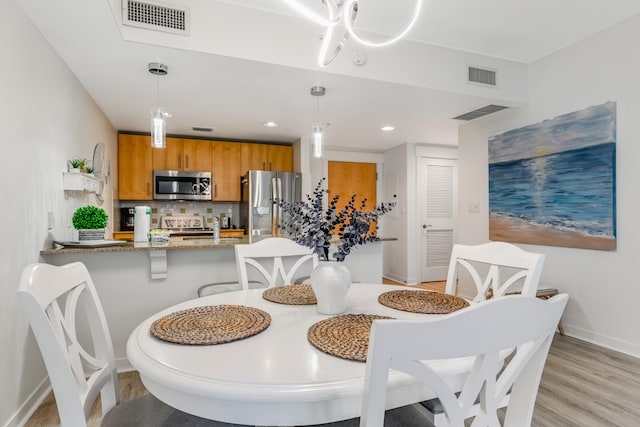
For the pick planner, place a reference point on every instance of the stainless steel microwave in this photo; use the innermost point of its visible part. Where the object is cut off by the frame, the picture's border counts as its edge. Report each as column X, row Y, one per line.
column 181, row 185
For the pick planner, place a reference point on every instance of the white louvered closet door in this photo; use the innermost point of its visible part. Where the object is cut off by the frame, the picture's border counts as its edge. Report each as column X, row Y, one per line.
column 438, row 188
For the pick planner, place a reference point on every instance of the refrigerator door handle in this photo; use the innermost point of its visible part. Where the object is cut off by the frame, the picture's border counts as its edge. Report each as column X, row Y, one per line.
column 279, row 181
column 274, row 213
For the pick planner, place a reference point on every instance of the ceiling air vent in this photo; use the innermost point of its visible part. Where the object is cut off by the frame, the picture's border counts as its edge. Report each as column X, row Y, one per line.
column 485, row 77
column 202, row 129
column 156, row 16
column 488, row 109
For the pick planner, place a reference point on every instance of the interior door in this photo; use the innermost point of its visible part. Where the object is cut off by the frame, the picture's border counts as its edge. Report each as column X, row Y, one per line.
column 438, row 210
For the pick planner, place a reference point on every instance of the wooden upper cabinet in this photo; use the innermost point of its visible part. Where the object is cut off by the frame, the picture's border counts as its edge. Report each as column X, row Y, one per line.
column 183, row 155
column 253, row 157
column 266, row 157
column 170, row 157
column 280, row 158
column 225, row 161
column 197, row 155
column 135, row 168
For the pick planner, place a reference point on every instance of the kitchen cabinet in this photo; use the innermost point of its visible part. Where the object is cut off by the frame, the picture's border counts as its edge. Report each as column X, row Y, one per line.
column 135, row 167
column 225, row 162
column 280, row 158
column 184, row 155
column 269, row 157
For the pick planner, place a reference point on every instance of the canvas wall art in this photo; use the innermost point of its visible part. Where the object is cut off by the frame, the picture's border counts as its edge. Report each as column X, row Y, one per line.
column 553, row 183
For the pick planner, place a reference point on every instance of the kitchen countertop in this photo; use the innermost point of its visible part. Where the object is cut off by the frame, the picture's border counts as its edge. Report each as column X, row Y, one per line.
column 206, row 243
column 195, row 243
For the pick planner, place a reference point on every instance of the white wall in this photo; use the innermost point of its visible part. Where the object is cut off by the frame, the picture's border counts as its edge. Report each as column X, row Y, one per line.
column 603, row 286
column 46, row 118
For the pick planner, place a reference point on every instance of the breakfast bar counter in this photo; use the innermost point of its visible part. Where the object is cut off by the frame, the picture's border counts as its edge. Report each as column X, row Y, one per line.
column 188, row 243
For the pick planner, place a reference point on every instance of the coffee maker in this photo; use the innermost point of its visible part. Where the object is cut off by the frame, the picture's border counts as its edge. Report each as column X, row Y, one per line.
column 127, row 219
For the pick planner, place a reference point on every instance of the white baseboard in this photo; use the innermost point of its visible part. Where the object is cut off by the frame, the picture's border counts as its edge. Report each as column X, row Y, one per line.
column 399, row 279
column 29, row 406
column 616, row 344
column 123, row 365
column 36, row 398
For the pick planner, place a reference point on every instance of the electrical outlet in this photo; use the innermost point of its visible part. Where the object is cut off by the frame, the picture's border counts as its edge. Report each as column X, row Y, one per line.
column 474, row 208
column 50, row 221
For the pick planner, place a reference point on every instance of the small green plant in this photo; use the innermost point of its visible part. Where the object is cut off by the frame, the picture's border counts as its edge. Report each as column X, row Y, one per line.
column 89, row 218
column 88, row 169
column 78, row 163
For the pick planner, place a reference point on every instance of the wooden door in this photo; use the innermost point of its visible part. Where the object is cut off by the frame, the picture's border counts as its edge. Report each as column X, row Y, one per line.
column 280, row 158
column 253, row 157
column 170, row 157
column 348, row 178
column 197, row 155
column 135, row 168
column 225, row 161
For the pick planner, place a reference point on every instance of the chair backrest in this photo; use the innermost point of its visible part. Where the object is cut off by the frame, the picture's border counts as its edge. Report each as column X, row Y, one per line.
column 55, row 300
column 498, row 267
column 526, row 325
column 276, row 259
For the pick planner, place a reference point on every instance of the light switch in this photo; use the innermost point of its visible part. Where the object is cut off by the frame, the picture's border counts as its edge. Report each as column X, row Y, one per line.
column 474, row 208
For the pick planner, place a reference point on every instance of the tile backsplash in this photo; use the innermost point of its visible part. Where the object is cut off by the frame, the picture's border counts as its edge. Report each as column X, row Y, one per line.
column 206, row 209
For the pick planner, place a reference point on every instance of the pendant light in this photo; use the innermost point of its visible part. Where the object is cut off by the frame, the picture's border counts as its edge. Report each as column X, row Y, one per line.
column 159, row 115
column 317, row 129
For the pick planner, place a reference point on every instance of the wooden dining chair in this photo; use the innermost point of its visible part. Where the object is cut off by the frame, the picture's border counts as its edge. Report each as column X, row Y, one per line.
column 526, row 324
column 495, row 268
column 59, row 302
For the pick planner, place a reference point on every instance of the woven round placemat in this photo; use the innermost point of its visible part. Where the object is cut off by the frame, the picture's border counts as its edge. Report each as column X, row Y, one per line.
column 291, row 294
column 422, row 301
column 345, row 336
column 214, row 324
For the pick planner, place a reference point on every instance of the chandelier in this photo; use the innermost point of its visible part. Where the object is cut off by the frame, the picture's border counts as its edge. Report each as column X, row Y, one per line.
column 344, row 11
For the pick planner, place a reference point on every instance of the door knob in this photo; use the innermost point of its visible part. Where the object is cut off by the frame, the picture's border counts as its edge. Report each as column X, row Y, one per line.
column 426, row 225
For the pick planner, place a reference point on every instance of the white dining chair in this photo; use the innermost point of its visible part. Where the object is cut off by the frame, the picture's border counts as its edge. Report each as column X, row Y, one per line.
column 59, row 301
column 495, row 268
column 273, row 261
column 526, row 324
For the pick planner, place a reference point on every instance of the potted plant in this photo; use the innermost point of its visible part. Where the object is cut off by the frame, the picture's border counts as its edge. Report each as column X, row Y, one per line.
column 310, row 224
column 90, row 221
column 78, row 165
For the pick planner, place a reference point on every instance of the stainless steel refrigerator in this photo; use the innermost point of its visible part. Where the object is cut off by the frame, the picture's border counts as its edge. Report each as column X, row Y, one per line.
column 258, row 215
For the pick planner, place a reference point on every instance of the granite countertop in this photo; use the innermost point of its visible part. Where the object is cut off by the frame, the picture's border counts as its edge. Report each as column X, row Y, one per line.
column 130, row 246
column 196, row 243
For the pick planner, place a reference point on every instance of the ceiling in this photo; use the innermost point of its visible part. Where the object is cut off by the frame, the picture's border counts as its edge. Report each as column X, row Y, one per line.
column 262, row 66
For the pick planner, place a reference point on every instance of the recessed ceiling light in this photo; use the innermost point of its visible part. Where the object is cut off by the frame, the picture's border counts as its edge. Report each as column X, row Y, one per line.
column 270, row 124
column 387, row 128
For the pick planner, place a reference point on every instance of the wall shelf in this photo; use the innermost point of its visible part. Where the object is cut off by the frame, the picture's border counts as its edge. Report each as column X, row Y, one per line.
column 81, row 182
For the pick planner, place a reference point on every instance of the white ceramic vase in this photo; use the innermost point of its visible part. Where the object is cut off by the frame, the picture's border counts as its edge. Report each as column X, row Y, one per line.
column 330, row 281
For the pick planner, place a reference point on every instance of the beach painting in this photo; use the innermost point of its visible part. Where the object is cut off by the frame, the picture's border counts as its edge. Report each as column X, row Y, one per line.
column 553, row 183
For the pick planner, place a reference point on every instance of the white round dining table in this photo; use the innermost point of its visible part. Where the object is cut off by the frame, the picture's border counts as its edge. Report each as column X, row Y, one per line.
column 277, row 377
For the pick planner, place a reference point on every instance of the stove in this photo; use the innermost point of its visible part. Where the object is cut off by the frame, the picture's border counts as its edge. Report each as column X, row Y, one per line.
column 185, row 225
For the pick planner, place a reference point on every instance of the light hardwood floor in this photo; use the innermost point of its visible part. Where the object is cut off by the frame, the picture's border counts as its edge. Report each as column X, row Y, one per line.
column 583, row 385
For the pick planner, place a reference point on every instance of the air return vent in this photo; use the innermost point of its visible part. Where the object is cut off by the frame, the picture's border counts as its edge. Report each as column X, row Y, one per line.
column 155, row 16
column 480, row 112
column 485, row 77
